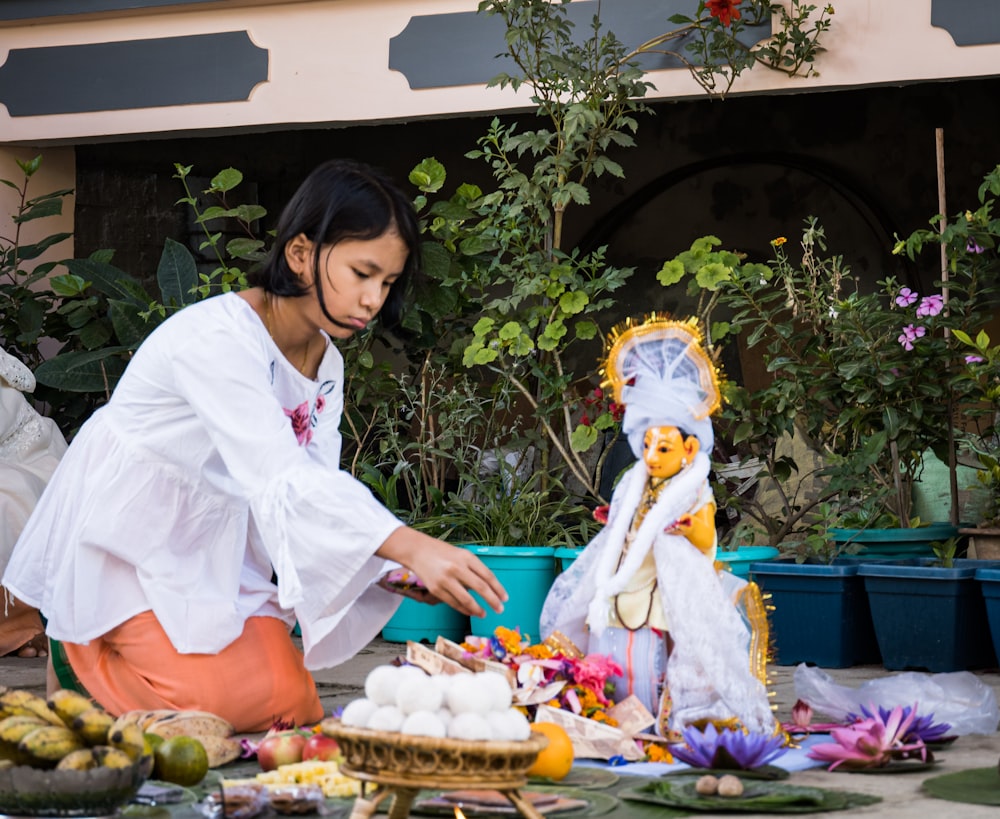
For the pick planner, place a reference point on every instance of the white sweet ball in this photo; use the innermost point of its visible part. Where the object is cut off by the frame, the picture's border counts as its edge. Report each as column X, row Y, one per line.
column 385, row 718
column 418, row 694
column 469, row 725
column 509, row 725
column 424, row 724
column 443, row 682
column 411, row 673
column 466, row 696
column 445, row 715
column 495, row 689
column 382, row 683
column 357, row 712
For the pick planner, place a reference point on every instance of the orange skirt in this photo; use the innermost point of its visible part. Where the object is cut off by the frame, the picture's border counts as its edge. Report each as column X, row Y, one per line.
column 255, row 680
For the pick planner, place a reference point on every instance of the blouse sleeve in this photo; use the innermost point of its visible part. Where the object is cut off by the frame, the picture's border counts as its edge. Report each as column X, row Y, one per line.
column 319, row 525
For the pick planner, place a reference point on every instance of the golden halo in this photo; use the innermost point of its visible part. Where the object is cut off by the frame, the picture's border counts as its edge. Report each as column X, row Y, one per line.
column 657, row 336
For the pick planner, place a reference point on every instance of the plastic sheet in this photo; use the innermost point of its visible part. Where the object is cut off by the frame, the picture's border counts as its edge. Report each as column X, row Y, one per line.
column 958, row 698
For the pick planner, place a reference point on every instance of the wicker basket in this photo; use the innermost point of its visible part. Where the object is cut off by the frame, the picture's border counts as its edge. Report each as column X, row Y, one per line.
column 408, row 761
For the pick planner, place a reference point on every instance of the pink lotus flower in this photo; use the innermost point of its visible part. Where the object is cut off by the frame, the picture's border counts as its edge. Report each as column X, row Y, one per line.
column 872, row 742
column 802, row 723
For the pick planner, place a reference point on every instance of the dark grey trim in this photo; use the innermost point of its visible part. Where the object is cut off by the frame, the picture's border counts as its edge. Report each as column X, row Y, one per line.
column 969, row 22
column 437, row 50
column 199, row 68
column 31, row 9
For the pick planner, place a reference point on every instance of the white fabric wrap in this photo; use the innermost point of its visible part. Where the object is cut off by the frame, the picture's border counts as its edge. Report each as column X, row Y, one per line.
column 675, row 500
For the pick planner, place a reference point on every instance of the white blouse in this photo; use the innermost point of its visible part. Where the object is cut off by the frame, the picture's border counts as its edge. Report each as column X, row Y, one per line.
column 214, row 462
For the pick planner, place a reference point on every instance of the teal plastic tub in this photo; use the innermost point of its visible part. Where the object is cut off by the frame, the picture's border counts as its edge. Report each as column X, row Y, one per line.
column 739, row 560
column 527, row 573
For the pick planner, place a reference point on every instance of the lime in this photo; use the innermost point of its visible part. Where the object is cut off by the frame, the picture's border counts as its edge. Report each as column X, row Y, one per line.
column 181, row 760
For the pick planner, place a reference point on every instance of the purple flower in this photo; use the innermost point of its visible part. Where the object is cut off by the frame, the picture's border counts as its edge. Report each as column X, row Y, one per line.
column 911, row 334
column 930, row 306
column 974, row 359
column 906, row 297
column 872, row 742
column 923, row 728
column 973, row 247
column 728, row 748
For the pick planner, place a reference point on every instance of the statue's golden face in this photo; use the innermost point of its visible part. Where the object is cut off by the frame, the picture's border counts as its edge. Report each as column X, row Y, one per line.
column 666, row 452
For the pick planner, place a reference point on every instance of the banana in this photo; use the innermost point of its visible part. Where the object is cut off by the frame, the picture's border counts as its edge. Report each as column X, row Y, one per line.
column 128, row 718
column 94, row 725
column 108, row 757
column 80, row 760
column 50, row 743
column 69, row 704
column 190, row 723
column 14, row 729
column 18, row 702
column 127, row 738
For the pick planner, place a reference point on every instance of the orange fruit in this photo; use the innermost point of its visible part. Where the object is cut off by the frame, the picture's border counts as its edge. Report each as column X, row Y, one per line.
column 555, row 759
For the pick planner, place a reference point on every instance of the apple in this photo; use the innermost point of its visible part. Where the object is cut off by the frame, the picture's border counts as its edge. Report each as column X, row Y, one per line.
column 281, row 748
column 321, row 747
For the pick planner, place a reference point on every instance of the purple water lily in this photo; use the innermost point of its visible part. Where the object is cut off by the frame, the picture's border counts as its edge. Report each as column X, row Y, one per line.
column 922, row 728
column 872, row 742
column 727, row 748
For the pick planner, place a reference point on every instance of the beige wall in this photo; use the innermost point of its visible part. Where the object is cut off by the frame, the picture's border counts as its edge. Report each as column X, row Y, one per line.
column 329, row 58
column 57, row 172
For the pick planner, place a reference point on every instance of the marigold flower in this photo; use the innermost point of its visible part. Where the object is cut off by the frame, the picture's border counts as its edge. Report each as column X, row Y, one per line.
column 657, row 753
column 779, row 241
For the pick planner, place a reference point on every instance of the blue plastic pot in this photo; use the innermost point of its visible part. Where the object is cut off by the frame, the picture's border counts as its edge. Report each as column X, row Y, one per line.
column 928, row 617
column 989, row 583
column 527, row 573
column 821, row 613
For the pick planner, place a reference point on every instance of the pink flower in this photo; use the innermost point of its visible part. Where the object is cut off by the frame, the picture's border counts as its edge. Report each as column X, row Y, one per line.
column 906, row 297
column 930, row 306
column 871, row 743
column 974, row 359
column 911, row 334
column 300, row 423
column 592, row 673
column 973, row 247
column 320, row 403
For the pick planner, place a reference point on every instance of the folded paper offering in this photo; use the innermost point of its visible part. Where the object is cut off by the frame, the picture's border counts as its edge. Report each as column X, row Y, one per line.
column 592, row 739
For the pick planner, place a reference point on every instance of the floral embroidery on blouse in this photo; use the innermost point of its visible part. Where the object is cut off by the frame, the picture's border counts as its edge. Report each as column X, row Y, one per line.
column 306, row 415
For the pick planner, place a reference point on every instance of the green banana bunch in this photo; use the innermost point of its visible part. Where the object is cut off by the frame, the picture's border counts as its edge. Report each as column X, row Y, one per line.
column 19, row 702
column 15, row 728
column 127, row 737
column 100, row 756
column 93, row 725
column 69, row 704
column 50, row 743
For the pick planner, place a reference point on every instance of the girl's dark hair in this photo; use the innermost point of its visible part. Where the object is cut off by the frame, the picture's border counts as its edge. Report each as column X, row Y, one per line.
column 343, row 199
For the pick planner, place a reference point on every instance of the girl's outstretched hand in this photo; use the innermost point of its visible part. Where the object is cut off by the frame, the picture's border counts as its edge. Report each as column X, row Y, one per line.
column 448, row 572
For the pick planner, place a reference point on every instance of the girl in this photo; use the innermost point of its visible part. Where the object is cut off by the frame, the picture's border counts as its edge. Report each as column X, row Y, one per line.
column 215, row 466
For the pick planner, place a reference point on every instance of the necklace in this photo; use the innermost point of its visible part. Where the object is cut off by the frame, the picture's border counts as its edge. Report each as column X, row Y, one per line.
column 267, row 326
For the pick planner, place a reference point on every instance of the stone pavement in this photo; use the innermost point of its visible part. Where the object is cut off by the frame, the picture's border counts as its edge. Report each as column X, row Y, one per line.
column 901, row 793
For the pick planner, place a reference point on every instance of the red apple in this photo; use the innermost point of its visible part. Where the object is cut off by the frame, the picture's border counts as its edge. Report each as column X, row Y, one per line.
column 321, row 747
column 282, row 748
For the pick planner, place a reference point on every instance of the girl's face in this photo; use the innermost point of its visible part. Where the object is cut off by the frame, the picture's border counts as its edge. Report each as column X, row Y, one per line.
column 355, row 275
column 665, row 451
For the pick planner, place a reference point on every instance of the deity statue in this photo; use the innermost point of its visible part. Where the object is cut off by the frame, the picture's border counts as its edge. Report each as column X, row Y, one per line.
column 690, row 636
